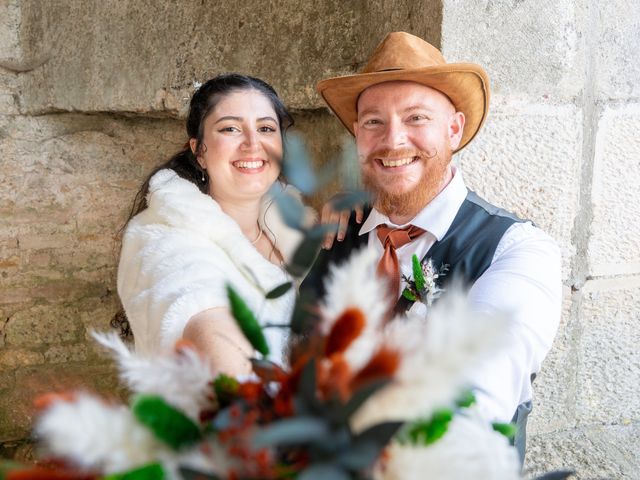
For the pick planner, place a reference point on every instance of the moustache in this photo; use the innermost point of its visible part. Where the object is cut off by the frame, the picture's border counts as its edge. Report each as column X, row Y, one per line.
column 394, row 154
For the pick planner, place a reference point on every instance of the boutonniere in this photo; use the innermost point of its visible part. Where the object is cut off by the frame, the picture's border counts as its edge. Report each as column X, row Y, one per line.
column 424, row 286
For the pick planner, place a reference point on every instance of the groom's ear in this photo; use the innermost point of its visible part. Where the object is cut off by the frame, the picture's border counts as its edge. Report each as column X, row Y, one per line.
column 355, row 128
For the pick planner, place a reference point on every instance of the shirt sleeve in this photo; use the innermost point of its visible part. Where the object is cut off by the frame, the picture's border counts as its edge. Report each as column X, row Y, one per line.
column 523, row 282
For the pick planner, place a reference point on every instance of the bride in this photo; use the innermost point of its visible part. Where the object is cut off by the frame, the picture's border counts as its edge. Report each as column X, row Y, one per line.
column 202, row 220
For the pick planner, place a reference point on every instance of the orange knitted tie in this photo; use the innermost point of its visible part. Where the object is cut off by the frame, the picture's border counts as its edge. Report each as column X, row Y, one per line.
column 392, row 239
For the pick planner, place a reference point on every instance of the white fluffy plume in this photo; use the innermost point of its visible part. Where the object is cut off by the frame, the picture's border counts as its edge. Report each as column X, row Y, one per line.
column 438, row 352
column 182, row 379
column 95, row 435
column 469, row 449
column 356, row 284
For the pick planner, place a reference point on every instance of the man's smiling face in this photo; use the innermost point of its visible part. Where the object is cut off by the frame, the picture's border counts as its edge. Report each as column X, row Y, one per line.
column 405, row 134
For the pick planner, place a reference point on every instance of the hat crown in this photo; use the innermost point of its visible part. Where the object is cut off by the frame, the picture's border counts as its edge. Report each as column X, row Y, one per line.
column 401, row 51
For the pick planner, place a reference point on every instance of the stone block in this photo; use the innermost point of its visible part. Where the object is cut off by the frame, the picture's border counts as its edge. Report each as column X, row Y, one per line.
column 617, row 50
column 16, row 406
column 42, row 324
column 10, row 18
column 14, row 358
column 607, row 451
column 526, row 159
column 614, row 245
column 66, row 353
column 608, row 356
column 7, row 379
column 554, row 388
column 144, row 55
column 528, row 48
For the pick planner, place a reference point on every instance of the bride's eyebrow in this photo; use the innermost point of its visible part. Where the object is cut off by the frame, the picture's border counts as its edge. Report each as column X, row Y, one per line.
column 239, row 119
column 222, row 119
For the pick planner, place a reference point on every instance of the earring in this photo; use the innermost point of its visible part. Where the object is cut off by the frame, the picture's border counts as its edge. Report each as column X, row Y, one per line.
column 203, row 179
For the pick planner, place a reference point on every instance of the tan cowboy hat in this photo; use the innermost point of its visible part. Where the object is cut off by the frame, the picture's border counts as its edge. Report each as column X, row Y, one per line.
column 402, row 56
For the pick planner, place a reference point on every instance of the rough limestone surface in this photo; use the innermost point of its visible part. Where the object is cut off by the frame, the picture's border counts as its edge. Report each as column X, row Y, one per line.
column 144, row 55
column 608, row 355
column 593, row 452
column 526, row 160
column 617, row 52
column 68, row 183
column 559, row 147
column 554, row 387
column 529, row 48
column 10, row 46
column 614, row 246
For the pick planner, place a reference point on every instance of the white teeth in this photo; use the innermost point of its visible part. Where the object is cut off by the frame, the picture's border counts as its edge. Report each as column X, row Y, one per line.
column 397, row 163
column 254, row 164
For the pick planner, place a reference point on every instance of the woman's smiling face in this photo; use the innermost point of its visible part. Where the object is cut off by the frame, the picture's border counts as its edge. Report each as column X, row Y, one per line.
column 241, row 146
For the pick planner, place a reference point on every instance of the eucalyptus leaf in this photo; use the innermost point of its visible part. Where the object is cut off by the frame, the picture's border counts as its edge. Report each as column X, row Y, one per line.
column 360, row 456
column 380, row 434
column 153, row 471
column 168, row 424
column 557, row 475
column 291, row 210
column 247, row 322
column 303, row 317
column 323, row 471
column 223, row 419
column 509, row 430
column 426, row 431
column 225, row 388
column 188, row 473
column 349, row 200
column 359, row 397
column 418, row 274
column 292, row 431
column 296, row 165
column 406, row 293
column 320, row 230
column 304, row 256
column 466, row 399
column 279, row 291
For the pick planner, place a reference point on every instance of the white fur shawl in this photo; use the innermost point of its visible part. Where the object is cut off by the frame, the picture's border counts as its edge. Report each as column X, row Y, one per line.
column 178, row 255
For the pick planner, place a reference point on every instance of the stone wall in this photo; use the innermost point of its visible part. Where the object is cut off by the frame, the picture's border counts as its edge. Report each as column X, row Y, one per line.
column 92, row 94
column 561, row 147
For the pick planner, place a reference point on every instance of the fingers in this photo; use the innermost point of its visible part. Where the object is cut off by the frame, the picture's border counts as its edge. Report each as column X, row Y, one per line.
column 359, row 213
column 343, row 223
column 339, row 220
column 330, row 218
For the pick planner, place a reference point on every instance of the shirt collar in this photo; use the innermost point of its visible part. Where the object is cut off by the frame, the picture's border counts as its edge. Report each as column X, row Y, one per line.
column 436, row 217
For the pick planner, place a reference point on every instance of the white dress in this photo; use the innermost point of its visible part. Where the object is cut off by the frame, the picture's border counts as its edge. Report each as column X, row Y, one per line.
column 178, row 256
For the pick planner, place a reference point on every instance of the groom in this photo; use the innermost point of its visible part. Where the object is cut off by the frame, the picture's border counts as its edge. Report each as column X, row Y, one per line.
column 410, row 111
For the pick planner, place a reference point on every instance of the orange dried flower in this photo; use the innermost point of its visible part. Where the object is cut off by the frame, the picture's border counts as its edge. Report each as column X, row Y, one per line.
column 44, row 401
column 382, row 365
column 344, row 331
column 250, row 391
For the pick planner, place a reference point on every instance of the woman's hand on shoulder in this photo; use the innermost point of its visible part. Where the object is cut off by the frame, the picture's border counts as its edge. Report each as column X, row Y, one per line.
column 338, row 220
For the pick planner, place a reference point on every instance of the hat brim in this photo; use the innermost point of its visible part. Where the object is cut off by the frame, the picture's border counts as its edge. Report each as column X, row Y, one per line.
column 466, row 85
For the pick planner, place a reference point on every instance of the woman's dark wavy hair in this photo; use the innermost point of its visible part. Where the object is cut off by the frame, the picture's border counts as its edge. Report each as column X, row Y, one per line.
column 185, row 163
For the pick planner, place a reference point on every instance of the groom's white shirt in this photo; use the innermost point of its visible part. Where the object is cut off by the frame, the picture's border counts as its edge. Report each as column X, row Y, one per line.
column 523, row 280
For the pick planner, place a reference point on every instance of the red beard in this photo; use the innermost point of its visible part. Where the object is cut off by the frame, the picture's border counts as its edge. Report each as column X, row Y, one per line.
column 407, row 203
